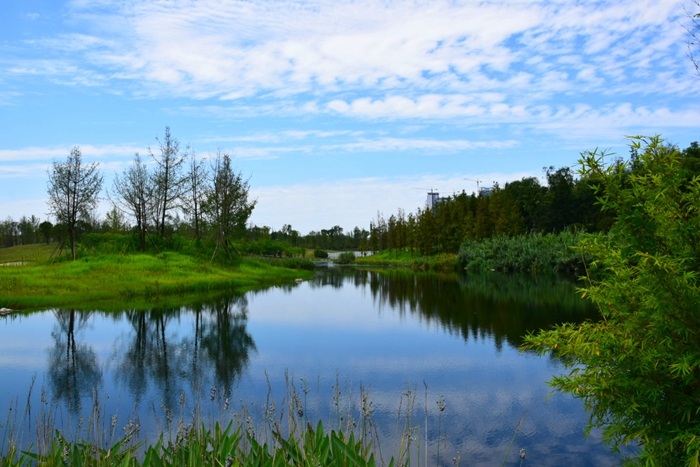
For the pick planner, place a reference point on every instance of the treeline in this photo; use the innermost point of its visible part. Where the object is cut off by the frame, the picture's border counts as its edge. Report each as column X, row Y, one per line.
column 207, row 203
column 25, row 231
column 525, row 206
column 326, row 239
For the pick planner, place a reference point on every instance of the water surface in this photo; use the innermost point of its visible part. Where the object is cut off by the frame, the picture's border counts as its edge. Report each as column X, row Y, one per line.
column 401, row 336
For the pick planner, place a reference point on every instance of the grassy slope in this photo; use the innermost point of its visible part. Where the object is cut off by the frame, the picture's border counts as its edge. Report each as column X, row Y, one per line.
column 35, row 252
column 112, row 277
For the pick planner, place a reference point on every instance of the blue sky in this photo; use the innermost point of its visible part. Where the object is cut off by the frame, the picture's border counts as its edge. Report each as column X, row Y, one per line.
column 338, row 109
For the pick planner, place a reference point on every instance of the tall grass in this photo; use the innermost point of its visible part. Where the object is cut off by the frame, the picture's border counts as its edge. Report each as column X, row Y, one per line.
column 533, row 253
column 283, row 436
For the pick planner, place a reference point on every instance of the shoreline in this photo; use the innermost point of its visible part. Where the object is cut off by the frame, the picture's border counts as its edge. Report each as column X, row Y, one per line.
column 134, row 277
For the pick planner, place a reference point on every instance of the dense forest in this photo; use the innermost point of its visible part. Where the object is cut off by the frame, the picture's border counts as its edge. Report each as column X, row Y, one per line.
column 566, row 202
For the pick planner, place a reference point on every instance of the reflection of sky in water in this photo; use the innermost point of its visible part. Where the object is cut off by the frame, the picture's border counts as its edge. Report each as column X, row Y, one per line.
column 319, row 332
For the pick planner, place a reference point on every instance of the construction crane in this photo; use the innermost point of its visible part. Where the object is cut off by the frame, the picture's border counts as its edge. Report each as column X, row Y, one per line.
column 475, row 180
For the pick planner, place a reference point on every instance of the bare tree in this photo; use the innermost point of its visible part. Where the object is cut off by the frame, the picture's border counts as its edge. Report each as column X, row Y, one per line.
column 73, row 190
column 227, row 206
column 194, row 192
column 693, row 29
column 132, row 193
column 167, row 177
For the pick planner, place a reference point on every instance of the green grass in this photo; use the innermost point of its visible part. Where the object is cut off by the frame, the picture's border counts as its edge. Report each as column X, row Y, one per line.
column 440, row 262
column 216, row 446
column 112, row 277
column 32, row 253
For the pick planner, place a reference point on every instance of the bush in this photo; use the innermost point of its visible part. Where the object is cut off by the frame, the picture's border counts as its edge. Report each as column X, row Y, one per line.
column 320, row 253
column 638, row 370
column 346, row 257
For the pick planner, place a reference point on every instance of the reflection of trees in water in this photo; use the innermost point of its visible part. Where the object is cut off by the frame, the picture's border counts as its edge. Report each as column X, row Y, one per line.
column 73, row 367
column 149, row 355
column 334, row 278
column 225, row 341
column 159, row 352
column 503, row 307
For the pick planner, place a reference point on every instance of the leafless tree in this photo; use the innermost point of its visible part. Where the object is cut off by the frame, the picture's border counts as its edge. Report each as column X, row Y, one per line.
column 73, row 190
column 132, row 193
column 693, row 29
column 167, row 177
column 196, row 186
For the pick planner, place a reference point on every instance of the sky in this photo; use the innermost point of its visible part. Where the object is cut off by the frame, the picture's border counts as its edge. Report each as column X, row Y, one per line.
column 338, row 109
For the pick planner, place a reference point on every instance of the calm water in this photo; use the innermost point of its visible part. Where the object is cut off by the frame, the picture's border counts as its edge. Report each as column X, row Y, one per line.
column 392, row 332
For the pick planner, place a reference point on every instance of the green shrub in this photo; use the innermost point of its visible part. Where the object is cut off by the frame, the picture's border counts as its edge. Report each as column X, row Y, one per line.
column 346, row 257
column 320, row 253
column 533, row 253
column 638, row 370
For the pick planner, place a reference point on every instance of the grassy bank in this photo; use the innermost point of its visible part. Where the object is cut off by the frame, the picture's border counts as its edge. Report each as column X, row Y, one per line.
column 110, row 277
column 404, row 259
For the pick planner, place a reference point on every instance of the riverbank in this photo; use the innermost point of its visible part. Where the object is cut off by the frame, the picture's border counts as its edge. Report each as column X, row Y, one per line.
column 111, row 277
column 404, row 259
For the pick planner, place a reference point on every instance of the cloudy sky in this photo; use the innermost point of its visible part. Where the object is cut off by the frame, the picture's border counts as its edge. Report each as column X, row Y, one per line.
column 338, row 109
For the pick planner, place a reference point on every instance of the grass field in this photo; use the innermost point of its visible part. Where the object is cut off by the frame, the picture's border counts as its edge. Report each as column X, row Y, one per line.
column 36, row 283
column 32, row 253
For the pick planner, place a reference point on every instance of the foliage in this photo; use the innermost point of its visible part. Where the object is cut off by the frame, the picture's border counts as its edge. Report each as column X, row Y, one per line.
column 346, row 257
column 202, row 446
column 320, row 253
column 270, row 248
column 227, row 207
column 638, row 370
column 534, row 253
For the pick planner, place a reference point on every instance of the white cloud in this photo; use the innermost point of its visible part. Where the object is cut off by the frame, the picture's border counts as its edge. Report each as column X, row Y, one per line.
column 265, row 152
column 87, row 150
column 567, row 121
column 279, row 136
column 429, row 145
column 212, row 48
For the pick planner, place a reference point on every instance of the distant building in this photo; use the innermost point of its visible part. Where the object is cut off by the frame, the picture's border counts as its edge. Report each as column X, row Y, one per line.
column 485, row 190
column 434, row 199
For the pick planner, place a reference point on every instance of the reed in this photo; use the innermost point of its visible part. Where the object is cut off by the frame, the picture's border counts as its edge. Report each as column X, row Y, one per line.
column 215, row 433
column 535, row 253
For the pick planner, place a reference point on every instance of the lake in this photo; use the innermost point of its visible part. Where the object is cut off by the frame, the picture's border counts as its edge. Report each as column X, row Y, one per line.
column 325, row 350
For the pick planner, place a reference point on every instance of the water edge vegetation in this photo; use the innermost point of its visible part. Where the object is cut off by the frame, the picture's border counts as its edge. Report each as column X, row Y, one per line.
column 101, row 277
